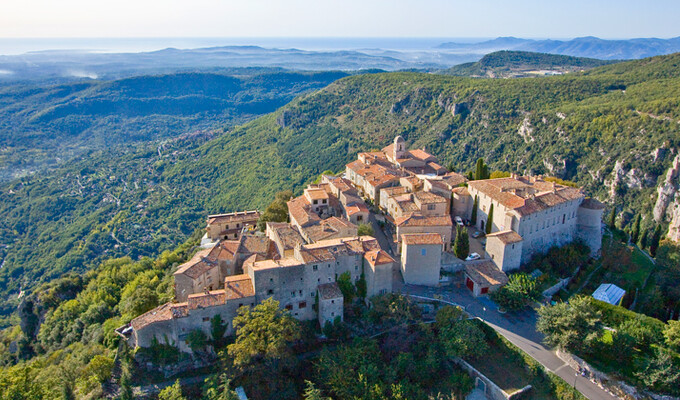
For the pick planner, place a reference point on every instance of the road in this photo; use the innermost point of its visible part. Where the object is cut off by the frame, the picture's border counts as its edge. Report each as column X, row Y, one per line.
column 518, row 328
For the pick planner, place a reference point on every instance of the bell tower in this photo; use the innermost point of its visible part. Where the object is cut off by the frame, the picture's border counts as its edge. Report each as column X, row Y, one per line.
column 399, row 148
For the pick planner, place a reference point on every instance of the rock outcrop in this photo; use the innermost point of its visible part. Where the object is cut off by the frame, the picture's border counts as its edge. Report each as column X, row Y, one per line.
column 667, row 191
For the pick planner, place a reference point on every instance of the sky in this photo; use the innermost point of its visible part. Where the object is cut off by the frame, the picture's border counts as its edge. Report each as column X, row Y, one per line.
column 339, row 18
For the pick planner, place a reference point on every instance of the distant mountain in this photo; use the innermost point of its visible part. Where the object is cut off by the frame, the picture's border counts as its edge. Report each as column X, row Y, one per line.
column 509, row 64
column 580, row 47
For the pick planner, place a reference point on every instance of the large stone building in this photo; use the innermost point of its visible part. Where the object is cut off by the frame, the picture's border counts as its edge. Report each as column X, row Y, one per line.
column 231, row 225
column 528, row 215
column 292, row 280
column 421, row 258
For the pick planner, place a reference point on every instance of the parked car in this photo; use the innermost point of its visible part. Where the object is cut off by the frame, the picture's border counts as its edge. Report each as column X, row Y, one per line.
column 477, row 234
column 472, row 257
column 459, row 221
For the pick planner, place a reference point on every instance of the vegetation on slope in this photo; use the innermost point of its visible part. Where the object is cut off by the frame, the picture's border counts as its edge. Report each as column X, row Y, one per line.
column 577, row 127
column 519, row 63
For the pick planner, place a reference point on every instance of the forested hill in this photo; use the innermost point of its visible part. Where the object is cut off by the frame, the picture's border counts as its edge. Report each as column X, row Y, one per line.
column 505, row 64
column 42, row 124
column 613, row 129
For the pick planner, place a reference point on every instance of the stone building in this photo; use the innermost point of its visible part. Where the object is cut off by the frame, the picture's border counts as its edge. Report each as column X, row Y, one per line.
column 293, row 280
column 483, row 277
column 541, row 214
column 441, row 225
column 231, row 225
column 421, row 258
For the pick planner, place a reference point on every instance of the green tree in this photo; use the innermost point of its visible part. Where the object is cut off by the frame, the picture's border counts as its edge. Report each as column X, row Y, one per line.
column 635, row 230
column 612, row 219
column 489, row 221
column 276, row 211
column 217, row 330
column 346, row 287
column 661, row 372
column 197, row 340
column 573, row 326
column 520, row 290
column 365, row 230
column 218, row 388
column 461, row 244
column 263, row 334
column 475, row 206
column 672, row 335
column 481, row 170
column 654, row 243
column 173, row 392
column 460, row 338
column 362, row 288
column 312, row 393
column 644, row 238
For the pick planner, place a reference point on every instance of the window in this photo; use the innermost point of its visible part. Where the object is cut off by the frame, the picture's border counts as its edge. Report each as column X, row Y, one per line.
column 240, row 304
column 206, row 319
column 356, row 267
column 360, row 218
column 271, row 280
column 430, row 206
column 311, row 294
column 485, row 290
column 292, row 294
column 423, row 252
column 289, row 307
column 316, row 202
column 332, row 301
column 300, row 293
column 324, row 201
column 315, row 267
column 270, row 291
column 302, row 304
column 329, row 279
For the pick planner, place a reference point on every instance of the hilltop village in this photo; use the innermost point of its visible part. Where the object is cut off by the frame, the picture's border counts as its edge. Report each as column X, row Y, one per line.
column 417, row 201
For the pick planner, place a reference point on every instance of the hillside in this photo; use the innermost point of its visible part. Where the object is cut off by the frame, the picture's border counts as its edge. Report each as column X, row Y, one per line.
column 42, row 125
column 594, row 128
column 513, row 64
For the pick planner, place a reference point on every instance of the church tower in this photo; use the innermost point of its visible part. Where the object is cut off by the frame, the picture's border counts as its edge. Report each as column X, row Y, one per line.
column 399, row 148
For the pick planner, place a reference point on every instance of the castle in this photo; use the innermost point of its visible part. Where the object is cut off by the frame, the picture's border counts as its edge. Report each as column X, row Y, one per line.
column 298, row 263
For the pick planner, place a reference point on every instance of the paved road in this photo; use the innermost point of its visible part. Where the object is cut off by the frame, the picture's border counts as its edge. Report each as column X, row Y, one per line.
column 518, row 328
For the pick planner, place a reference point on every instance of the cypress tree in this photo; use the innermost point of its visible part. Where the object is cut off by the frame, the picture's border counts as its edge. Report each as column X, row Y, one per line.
column 461, row 245
column 654, row 244
column 612, row 219
column 644, row 239
column 479, row 169
column 635, row 231
column 489, row 221
column 475, row 204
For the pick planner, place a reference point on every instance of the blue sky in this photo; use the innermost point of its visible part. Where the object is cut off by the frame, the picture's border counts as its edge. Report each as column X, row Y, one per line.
column 339, row 18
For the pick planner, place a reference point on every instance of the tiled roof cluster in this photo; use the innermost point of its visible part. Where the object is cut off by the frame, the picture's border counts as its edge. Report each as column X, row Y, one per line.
column 526, row 195
column 420, row 220
column 328, row 291
column 238, row 287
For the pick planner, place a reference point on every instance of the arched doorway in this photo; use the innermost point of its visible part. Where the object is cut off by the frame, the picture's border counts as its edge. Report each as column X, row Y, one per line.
column 482, row 225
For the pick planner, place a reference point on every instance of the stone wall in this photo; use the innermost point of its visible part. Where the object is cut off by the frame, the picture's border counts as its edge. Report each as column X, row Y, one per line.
column 492, row 391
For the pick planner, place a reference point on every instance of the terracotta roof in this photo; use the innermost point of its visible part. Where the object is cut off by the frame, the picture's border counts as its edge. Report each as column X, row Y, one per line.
column 158, row 314
column 422, row 238
column 238, row 287
column 316, row 193
column 389, row 149
column 234, row 217
column 420, row 155
column 224, row 250
column 462, row 191
column 592, row 204
column 356, row 208
column 288, row 234
column 378, row 257
column 298, row 212
column 507, row 236
column 327, row 228
column 419, row 220
column 526, row 195
column 199, row 264
column 251, row 244
column 485, row 273
column 362, row 244
column 454, row 179
column 281, row 263
column 203, row 300
column 393, row 191
column 435, row 166
column 429, row 198
column 407, row 206
column 329, row 291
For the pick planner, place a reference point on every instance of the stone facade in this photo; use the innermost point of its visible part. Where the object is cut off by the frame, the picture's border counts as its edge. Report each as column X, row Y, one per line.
column 230, row 226
column 542, row 213
column 421, row 258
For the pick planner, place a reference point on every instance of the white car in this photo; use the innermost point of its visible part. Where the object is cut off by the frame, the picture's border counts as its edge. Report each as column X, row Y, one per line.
column 459, row 221
column 472, row 257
